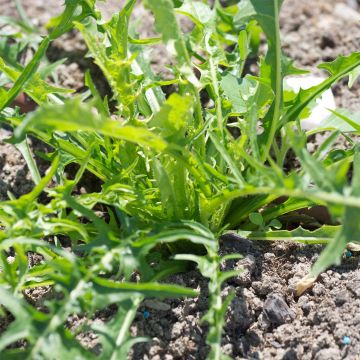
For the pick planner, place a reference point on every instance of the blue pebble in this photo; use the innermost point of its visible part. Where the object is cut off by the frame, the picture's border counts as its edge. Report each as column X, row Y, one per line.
column 346, row 340
column 146, row 314
column 348, row 254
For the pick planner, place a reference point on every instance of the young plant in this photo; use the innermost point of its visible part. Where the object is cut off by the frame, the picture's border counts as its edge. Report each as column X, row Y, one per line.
column 176, row 171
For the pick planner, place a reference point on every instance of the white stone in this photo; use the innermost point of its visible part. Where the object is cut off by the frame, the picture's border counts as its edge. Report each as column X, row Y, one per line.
column 323, row 104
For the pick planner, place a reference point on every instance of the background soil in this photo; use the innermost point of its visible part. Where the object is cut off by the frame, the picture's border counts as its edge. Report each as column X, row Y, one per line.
column 265, row 320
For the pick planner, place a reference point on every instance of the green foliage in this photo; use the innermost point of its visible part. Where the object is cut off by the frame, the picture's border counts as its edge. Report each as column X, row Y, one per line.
column 173, row 175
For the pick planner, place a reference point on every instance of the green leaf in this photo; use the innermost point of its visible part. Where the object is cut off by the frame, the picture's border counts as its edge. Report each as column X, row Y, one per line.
column 266, row 13
column 115, row 337
column 23, row 147
column 337, row 69
column 74, row 115
column 234, row 168
column 167, row 192
column 256, row 218
column 170, row 236
column 353, row 76
column 18, row 329
column 342, row 120
column 246, row 92
column 26, row 74
column 166, row 24
column 120, row 289
column 36, row 88
column 174, row 117
column 205, row 265
column 198, row 12
column 113, row 61
column 64, row 24
column 350, row 231
column 322, row 235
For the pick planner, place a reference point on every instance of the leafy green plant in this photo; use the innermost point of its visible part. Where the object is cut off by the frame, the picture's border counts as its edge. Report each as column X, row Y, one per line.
column 174, row 176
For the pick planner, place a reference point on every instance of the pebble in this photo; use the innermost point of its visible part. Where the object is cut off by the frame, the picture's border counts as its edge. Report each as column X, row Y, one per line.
column 276, row 310
column 328, row 354
column 269, row 256
column 346, row 12
column 241, row 244
column 146, row 314
column 306, row 307
column 354, row 288
column 228, row 349
column 341, row 298
column 248, row 266
column 238, row 315
column 157, row 305
column 318, row 289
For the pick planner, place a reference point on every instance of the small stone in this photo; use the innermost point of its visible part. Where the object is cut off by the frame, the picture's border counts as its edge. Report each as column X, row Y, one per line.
column 228, row 349
column 347, row 13
column 356, row 320
column 261, row 287
column 328, row 354
column 341, row 298
column 304, row 304
column 318, row 289
column 263, row 322
column 346, row 340
column 254, row 302
column 306, row 307
column 248, row 266
column 290, row 355
column 276, row 310
column 269, row 256
column 354, row 287
column 157, row 305
column 238, row 317
column 177, row 330
column 237, row 242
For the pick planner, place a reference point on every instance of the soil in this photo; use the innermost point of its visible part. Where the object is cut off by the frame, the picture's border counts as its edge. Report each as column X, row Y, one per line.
column 265, row 320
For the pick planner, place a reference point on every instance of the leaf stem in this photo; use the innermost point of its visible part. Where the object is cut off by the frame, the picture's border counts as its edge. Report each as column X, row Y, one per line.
column 278, row 86
column 126, row 325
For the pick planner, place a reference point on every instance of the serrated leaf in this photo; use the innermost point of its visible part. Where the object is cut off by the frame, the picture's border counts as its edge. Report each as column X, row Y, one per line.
column 74, row 115
column 322, row 235
column 198, row 12
column 174, row 117
column 113, row 61
column 166, row 24
column 36, row 88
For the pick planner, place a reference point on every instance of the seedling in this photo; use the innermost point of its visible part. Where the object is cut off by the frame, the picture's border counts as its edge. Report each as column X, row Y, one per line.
column 176, row 172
